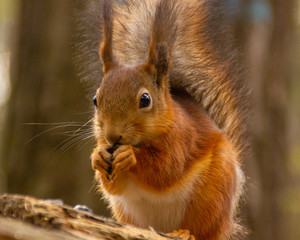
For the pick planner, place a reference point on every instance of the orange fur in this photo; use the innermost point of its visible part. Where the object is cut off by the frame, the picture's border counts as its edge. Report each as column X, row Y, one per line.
column 192, row 150
column 166, row 154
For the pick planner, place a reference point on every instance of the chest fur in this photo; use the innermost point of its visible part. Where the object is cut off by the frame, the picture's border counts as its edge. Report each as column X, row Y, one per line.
column 164, row 212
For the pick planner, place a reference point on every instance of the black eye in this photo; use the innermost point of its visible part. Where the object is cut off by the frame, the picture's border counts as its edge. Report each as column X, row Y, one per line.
column 95, row 101
column 145, row 100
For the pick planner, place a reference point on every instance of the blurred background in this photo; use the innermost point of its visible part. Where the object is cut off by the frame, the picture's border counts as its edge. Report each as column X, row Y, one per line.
column 45, row 133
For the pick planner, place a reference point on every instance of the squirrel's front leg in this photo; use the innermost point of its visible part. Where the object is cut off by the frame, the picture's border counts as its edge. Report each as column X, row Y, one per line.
column 111, row 164
column 122, row 160
column 101, row 160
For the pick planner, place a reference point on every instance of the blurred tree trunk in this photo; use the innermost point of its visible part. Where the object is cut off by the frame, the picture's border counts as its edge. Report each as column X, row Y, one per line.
column 45, row 90
column 267, row 48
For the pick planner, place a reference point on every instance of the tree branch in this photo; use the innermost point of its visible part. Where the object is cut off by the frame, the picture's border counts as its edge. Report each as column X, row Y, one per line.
column 24, row 217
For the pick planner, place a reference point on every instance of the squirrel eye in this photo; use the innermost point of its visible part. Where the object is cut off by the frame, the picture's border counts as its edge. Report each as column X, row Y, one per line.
column 145, row 100
column 95, row 101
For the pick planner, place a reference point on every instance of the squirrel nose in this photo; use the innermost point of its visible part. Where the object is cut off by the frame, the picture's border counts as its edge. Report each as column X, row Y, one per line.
column 113, row 138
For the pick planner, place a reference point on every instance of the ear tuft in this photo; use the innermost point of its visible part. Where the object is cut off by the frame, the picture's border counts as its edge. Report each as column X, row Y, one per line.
column 162, row 40
column 105, row 51
column 162, row 63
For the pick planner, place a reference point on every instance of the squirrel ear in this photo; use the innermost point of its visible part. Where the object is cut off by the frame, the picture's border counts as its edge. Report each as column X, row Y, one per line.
column 163, row 35
column 105, row 51
column 159, row 59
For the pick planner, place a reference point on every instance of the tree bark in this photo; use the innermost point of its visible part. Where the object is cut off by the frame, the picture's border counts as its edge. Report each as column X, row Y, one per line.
column 23, row 217
column 267, row 51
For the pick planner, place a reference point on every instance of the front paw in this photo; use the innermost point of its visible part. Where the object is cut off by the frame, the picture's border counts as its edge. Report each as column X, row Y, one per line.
column 123, row 159
column 102, row 160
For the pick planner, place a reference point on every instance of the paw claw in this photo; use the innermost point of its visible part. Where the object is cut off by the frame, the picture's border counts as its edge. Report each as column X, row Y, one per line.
column 112, row 178
column 107, row 177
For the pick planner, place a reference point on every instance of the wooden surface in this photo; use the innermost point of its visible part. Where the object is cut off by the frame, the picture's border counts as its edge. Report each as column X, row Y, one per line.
column 24, row 218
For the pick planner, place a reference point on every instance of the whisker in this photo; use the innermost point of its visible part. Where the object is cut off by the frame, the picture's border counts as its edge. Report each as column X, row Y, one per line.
column 49, row 130
column 71, row 132
column 76, row 132
column 84, row 125
column 74, row 136
column 72, row 143
column 86, row 140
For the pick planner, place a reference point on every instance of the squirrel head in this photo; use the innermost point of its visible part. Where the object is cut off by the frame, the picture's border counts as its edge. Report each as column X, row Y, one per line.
column 134, row 103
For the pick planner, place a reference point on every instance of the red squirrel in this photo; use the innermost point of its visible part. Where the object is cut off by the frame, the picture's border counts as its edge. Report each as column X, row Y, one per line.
column 167, row 123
